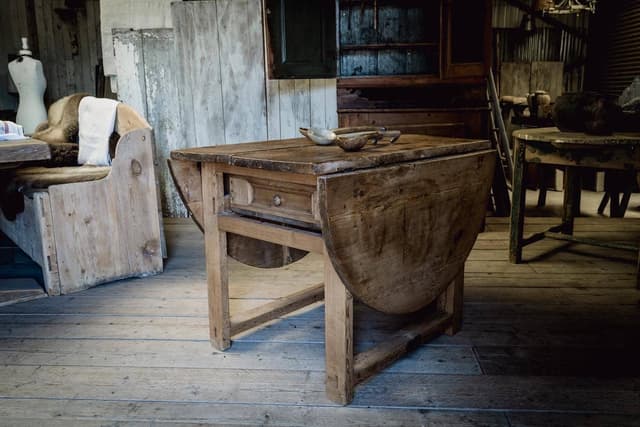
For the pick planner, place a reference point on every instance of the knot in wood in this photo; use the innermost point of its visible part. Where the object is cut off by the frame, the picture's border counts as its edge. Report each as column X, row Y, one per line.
column 136, row 167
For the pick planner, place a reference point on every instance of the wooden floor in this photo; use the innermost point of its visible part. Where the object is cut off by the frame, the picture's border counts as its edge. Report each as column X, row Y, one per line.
column 551, row 342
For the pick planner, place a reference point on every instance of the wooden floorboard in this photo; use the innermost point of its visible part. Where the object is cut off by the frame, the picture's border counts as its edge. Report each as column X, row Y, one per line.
column 551, row 342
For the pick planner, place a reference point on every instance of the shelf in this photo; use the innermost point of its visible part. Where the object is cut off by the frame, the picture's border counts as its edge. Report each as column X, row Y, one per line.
column 378, row 46
column 401, row 80
column 412, row 110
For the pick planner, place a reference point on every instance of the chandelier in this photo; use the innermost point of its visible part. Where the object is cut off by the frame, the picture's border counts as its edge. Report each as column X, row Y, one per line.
column 567, row 6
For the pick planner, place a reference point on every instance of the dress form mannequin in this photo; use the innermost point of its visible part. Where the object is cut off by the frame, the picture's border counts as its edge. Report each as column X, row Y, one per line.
column 28, row 77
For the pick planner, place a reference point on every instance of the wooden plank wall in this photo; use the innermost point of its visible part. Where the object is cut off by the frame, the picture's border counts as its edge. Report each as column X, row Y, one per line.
column 67, row 43
column 146, row 58
column 14, row 21
column 521, row 78
column 69, row 46
column 215, row 72
column 131, row 14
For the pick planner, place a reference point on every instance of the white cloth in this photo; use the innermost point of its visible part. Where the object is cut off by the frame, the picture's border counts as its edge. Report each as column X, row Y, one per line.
column 10, row 131
column 96, row 120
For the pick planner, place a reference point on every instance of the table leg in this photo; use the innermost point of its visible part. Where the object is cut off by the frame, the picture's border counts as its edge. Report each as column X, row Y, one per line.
column 571, row 204
column 517, row 205
column 451, row 302
column 216, row 258
column 338, row 308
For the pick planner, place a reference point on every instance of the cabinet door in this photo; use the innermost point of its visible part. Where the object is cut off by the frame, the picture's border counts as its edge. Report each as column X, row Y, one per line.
column 467, row 32
column 302, row 37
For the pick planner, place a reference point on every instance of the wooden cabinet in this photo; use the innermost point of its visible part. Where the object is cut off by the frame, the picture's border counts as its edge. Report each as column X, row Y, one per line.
column 380, row 37
column 414, row 63
column 400, row 62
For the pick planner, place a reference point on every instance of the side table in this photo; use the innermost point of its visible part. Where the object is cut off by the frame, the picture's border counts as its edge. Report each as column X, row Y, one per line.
column 573, row 150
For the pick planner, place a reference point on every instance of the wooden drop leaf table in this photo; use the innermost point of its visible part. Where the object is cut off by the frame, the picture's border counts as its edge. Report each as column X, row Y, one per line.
column 394, row 223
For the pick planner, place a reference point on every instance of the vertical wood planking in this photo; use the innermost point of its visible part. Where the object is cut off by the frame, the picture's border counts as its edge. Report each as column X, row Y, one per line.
column 317, row 103
column 301, row 103
column 130, row 68
column 547, row 76
column 331, row 103
column 273, row 109
column 514, row 78
column 131, row 14
column 199, row 73
column 292, row 104
column 243, row 72
column 164, row 117
column 287, row 109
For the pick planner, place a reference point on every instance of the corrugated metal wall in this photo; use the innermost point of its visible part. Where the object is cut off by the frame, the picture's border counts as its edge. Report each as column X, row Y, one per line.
column 544, row 43
column 615, row 46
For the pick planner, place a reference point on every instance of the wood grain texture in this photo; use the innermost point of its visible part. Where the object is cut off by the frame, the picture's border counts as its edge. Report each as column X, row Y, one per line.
column 86, row 233
column 243, row 74
column 216, row 258
column 86, row 228
column 188, row 181
column 65, row 358
column 197, row 50
column 547, row 76
column 128, row 48
column 301, row 156
column 514, row 79
column 32, row 231
column 16, row 152
column 133, row 15
column 163, row 114
column 339, row 338
column 396, row 241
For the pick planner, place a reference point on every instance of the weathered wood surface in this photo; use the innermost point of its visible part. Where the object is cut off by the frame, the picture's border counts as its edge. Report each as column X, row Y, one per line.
column 199, row 77
column 67, row 43
column 14, row 290
column 257, row 253
column 104, row 233
column 538, row 348
column 302, row 156
column 85, row 233
column 32, row 231
column 515, row 78
column 41, row 177
column 146, row 64
column 397, row 236
column 15, row 152
column 220, row 90
column 560, row 139
column 135, row 15
column 547, row 76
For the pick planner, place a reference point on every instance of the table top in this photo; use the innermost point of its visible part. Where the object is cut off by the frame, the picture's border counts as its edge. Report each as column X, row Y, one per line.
column 302, row 156
column 554, row 136
column 13, row 152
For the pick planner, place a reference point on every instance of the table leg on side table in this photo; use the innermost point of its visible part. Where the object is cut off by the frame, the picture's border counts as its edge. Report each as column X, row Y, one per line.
column 517, row 205
column 216, row 258
column 571, row 203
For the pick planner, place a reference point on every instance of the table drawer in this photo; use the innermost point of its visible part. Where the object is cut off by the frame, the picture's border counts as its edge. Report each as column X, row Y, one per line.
column 274, row 199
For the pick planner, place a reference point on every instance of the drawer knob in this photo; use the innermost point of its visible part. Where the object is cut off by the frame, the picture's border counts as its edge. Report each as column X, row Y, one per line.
column 277, row 200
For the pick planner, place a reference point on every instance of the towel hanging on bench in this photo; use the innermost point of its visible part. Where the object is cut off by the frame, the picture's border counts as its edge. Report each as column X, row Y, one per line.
column 96, row 121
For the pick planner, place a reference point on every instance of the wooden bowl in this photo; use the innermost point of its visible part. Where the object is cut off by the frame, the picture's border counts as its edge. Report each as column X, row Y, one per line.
column 353, row 143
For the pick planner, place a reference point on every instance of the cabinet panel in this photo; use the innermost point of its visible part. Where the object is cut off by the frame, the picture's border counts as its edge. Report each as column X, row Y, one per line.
column 467, row 38
column 384, row 37
column 302, row 37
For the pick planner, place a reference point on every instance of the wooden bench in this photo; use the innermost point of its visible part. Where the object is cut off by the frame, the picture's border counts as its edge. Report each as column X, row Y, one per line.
column 86, row 225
